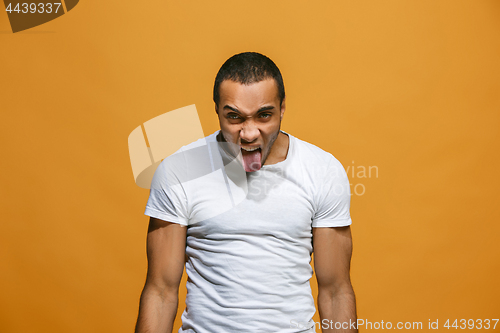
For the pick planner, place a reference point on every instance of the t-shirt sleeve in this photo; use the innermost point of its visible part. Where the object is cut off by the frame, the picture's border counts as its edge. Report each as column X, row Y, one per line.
column 333, row 199
column 167, row 199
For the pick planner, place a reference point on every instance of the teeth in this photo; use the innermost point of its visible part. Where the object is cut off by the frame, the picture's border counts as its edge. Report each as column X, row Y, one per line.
column 250, row 149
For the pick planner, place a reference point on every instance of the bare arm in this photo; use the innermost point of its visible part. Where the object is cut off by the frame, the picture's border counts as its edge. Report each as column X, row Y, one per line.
column 332, row 261
column 166, row 243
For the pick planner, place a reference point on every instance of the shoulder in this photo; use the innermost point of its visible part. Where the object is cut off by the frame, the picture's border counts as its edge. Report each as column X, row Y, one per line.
column 314, row 155
column 187, row 159
column 319, row 164
column 202, row 142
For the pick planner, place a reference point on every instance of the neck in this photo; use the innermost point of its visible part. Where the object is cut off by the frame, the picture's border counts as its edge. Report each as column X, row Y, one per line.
column 279, row 150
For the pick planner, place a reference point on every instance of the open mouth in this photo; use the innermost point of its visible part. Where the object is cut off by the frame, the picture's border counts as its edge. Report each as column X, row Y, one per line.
column 252, row 158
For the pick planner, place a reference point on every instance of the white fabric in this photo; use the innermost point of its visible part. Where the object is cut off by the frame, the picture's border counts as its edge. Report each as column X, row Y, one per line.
column 249, row 236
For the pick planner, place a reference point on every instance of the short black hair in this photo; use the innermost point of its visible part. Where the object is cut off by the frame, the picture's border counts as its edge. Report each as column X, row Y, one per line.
column 247, row 68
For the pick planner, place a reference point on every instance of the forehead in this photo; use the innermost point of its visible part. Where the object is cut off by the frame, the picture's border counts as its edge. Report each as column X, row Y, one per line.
column 249, row 95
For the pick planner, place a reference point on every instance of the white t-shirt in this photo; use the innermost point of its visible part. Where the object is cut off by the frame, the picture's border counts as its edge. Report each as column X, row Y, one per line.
column 249, row 236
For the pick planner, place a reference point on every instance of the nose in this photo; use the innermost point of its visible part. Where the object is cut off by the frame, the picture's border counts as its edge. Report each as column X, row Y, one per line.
column 249, row 132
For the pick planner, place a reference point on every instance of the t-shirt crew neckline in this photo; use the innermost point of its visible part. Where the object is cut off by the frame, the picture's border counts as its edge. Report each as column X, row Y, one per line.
column 288, row 157
column 289, row 153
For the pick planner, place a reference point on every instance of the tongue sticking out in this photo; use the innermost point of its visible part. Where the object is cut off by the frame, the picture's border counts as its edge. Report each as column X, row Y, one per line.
column 251, row 160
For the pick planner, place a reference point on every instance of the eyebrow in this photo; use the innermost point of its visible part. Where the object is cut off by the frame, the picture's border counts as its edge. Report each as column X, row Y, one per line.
column 264, row 108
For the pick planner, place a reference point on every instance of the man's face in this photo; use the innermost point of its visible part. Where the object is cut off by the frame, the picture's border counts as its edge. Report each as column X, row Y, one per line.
column 250, row 118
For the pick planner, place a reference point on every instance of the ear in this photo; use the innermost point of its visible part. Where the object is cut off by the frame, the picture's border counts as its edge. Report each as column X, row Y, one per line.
column 283, row 107
column 216, row 111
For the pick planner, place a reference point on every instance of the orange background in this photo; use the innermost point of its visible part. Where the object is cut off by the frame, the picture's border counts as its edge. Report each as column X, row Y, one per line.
column 411, row 87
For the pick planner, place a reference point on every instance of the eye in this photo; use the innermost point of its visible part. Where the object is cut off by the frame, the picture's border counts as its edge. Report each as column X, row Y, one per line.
column 265, row 115
column 232, row 116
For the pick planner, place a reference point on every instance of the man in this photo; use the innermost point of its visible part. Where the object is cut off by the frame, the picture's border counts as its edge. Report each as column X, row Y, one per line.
column 244, row 208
